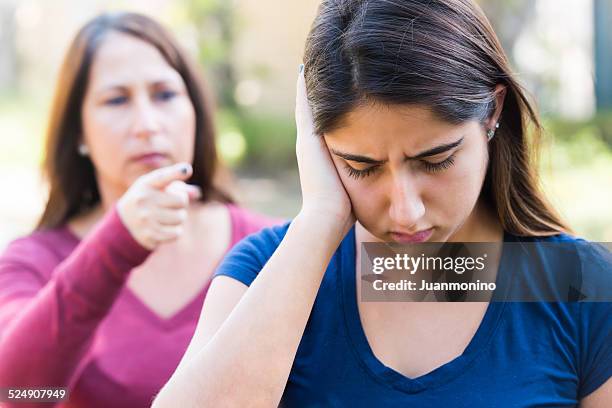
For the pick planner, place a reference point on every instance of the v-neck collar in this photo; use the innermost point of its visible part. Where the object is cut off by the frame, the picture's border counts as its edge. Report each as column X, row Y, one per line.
column 439, row 375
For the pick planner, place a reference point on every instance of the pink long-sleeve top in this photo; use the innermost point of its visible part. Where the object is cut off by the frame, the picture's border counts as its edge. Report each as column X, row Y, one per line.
column 67, row 319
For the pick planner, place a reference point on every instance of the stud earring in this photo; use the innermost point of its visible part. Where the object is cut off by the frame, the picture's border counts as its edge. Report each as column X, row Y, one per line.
column 83, row 150
column 491, row 132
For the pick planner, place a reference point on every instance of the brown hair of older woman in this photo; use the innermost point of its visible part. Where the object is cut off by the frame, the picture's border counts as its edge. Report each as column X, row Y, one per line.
column 440, row 54
column 71, row 177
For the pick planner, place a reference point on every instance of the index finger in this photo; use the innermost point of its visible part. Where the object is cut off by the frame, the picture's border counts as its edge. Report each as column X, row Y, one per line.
column 303, row 112
column 162, row 177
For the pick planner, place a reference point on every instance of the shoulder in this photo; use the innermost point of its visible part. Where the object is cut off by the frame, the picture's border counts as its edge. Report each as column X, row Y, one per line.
column 572, row 260
column 244, row 261
column 246, row 221
column 561, row 237
column 560, row 245
column 264, row 241
column 51, row 242
column 553, row 250
column 40, row 250
column 588, row 311
column 593, row 260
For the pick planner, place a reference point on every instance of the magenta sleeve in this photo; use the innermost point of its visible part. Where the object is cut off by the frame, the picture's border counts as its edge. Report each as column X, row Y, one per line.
column 47, row 325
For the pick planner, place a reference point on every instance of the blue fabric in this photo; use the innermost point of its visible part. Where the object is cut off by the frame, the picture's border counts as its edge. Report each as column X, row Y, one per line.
column 523, row 354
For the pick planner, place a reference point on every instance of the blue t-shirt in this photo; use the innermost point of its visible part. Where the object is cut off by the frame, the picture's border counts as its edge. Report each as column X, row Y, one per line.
column 523, row 354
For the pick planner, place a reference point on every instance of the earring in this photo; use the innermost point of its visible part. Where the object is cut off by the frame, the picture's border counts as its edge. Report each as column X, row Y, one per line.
column 491, row 132
column 83, row 150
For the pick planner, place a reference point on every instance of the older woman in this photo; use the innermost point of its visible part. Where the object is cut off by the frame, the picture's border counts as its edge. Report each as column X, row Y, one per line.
column 104, row 296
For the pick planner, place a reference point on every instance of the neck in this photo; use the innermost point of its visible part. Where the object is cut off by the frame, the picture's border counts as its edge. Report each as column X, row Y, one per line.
column 82, row 223
column 109, row 194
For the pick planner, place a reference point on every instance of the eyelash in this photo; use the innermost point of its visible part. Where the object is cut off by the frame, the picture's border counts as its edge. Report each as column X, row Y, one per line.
column 357, row 174
column 429, row 167
column 443, row 165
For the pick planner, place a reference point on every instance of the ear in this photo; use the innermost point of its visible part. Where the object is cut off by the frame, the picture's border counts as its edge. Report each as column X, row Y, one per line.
column 82, row 147
column 500, row 96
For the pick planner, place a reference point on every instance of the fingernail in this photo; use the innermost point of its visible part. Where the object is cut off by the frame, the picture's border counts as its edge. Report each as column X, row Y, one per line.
column 301, row 68
column 185, row 169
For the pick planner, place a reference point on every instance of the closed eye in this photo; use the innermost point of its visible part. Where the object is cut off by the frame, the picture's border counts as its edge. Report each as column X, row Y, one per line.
column 438, row 166
column 358, row 174
column 430, row 167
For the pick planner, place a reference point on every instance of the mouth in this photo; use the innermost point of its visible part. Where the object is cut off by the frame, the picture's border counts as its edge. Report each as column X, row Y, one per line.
column 404, row 238
column 152, row 159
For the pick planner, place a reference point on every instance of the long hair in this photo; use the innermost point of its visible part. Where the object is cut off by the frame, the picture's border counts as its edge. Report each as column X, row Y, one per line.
column 443, row 55
column 71, row 177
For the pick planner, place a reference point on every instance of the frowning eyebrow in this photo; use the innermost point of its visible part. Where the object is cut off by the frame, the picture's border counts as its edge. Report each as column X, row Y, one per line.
column 368, row 160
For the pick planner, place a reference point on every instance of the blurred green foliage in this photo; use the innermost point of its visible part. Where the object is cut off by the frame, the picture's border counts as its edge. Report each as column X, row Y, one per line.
column 214, row 22
column 249, row 140
column 576, row 170
column 22, row 126
column 269, row 139
column 600, row 126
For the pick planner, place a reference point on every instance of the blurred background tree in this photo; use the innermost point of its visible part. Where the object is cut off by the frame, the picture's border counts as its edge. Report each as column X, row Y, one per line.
column 214, row 22
column 508, row 18
column 8, row 52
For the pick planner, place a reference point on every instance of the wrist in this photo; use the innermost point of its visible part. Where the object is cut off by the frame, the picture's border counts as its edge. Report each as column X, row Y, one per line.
column 325, row 223
column 125, row 213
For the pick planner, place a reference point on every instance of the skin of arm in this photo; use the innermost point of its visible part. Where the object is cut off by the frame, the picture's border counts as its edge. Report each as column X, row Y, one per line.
column 600, row 398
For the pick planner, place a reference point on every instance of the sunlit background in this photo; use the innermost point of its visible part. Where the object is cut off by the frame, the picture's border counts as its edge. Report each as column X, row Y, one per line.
column 250, row 51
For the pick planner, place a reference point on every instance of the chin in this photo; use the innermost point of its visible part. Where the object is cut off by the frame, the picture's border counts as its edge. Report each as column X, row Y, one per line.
column 134, row 173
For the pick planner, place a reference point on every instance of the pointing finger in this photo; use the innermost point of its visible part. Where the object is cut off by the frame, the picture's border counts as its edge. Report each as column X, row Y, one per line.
column 160, row 178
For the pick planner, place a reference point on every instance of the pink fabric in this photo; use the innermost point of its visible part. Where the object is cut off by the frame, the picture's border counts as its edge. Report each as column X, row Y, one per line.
column 67, row 319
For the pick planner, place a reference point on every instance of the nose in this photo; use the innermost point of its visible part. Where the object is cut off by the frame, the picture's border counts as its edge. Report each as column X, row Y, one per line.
column 406, row 206
column 145, row 120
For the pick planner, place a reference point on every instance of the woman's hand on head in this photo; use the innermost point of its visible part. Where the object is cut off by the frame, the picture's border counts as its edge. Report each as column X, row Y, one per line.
column 154, row 209
column 322, row 191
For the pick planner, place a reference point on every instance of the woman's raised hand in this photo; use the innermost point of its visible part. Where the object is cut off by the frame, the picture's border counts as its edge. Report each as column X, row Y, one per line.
column 154, row 209
column 322, row 191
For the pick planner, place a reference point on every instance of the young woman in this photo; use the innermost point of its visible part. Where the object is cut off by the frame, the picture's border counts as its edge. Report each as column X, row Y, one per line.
column 104, row 297
column 403, row 138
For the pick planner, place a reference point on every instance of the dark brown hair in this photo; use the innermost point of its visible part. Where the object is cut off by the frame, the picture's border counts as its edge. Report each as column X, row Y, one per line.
column 443, row 55
column 71, row 177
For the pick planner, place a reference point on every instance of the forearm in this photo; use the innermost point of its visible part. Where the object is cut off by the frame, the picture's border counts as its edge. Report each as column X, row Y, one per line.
column 44, row 342
column 247, row 362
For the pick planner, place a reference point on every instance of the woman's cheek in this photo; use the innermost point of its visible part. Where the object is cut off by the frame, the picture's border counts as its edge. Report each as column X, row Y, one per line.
column 353, row 187
column 368, row 201
column 106, row 145
column 452, row 193
column 181, row 119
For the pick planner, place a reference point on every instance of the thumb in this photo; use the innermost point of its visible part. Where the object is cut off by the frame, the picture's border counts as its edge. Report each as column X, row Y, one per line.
column 160, row 178
column 194, row 192
column 178, row 187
